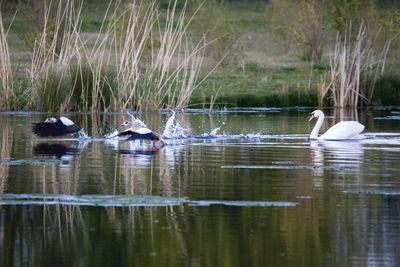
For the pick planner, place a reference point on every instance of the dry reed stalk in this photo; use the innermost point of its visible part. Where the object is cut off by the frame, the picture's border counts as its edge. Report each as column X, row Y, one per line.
column 152, row 65
column 170, row 73
column 353, row 71
column 163, row 76
column 178, row 85
column 52, row 56
column 91, row 68
column 191, row 68
column 6, row 76
column 139, row 20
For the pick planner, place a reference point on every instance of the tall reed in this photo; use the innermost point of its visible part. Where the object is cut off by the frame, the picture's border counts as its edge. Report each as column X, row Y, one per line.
column 177, row 62
column 138, row 60
column 6, row 75
column 132, row 34
column 354, row 68
column 49, row 78
column 138, row 64
column 156, row 65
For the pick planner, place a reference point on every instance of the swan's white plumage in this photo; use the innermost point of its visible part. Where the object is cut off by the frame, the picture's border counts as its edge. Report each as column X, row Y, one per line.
column 343, row 130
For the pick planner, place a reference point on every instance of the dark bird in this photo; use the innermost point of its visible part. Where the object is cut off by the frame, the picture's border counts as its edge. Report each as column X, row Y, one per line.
column 55, row 127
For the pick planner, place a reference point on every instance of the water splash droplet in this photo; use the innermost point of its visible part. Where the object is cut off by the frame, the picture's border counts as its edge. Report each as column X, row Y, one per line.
column 215, row 131
column 112, row 134
column 82, row 134
column 173, row 129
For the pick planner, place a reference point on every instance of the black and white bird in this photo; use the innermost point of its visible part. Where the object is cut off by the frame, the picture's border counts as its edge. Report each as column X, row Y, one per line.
column 55, row 127
column 136, row 131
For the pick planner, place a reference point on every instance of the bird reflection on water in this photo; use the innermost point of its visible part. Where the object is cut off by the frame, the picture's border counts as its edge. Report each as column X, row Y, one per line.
column 65, row 152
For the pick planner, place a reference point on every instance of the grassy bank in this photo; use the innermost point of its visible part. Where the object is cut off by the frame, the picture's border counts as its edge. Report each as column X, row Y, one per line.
column 117, row 60
column 260, row 87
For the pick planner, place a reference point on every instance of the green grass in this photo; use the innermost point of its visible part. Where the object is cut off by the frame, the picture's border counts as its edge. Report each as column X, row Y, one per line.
column 260, row 87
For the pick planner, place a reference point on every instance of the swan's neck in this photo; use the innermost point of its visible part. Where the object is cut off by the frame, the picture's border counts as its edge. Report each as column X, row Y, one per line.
column 317, row 127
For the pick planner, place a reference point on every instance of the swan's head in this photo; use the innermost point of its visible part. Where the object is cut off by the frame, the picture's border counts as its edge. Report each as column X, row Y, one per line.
column 315, row 114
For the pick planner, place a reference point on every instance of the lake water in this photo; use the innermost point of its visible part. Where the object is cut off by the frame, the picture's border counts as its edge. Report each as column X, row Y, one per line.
column 255, row 193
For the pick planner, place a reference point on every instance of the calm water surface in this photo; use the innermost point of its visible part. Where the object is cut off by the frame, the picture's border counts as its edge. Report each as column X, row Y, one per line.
column 257, row 194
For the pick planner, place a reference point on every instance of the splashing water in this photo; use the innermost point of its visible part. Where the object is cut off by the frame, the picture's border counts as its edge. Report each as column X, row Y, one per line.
column 215, row 131
column 111, row 135
column 83, row 135
column 136, row 121
column 173, row 129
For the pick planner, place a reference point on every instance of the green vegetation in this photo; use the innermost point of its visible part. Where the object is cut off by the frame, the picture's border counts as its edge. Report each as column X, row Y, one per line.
column 94, row 55
column 138, row 59
column 261, row 87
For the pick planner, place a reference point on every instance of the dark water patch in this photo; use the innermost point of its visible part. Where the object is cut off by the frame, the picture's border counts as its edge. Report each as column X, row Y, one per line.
column 243, row 203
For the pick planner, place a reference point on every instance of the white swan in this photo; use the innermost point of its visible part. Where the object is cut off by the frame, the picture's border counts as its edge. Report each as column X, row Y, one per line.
column 341, row 131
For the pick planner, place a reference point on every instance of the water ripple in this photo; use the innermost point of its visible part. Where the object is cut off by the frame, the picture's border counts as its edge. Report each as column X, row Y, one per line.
column 29, row 161
column 127, row 201
column 372, row 192
column 88, row 200
column 286, row 167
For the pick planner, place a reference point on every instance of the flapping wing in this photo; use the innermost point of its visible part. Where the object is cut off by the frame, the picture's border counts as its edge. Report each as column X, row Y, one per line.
column 44, row 129
column 141, row 133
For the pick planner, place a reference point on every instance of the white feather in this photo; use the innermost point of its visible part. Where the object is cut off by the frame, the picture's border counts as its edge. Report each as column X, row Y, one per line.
column 66, row 121
column 143, row 131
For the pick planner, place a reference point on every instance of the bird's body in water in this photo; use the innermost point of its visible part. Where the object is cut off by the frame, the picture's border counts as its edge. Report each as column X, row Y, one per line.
column 344, row 130
column 55, row 127
column 137, row 131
